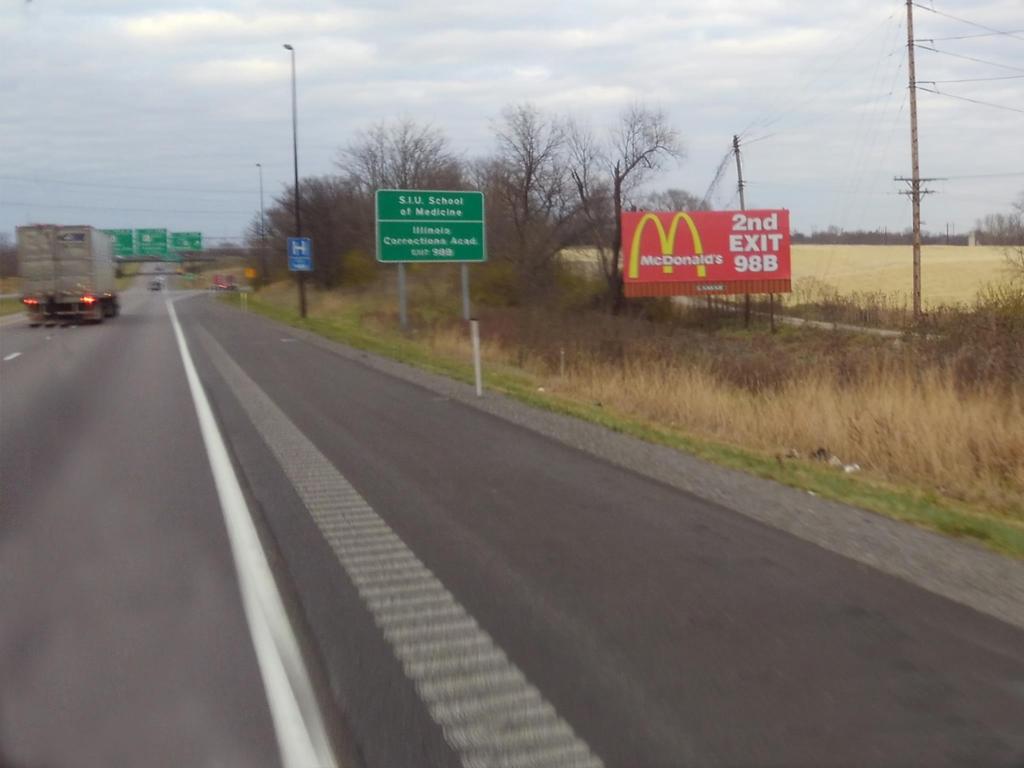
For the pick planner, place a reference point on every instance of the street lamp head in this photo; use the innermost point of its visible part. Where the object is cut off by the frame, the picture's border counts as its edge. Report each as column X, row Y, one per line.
column 288, row 47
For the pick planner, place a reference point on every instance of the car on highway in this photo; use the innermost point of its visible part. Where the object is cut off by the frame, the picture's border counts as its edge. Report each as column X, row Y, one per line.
column 156, row 284
column 224, row 283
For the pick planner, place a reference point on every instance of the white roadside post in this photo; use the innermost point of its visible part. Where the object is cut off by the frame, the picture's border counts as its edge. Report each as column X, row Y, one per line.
column 474, row 331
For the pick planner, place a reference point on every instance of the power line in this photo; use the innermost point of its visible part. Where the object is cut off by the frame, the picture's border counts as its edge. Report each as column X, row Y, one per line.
column 969, row 58
column 103, row 185
column 1010, row 174
column 969, row 37
column 792, row 104
column 971, row 23
column 974, row 79
column 719, row 173
column 38, row 204
column 973, row 101
column 759, row 138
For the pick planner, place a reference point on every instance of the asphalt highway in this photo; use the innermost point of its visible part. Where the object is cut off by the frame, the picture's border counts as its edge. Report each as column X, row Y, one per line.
column 122, row 635
column 464, row 591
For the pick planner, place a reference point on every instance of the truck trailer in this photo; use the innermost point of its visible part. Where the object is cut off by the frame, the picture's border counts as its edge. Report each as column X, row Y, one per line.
column 67, row 274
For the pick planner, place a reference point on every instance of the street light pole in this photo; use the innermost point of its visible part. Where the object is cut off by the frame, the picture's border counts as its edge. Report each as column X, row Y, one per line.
column 263, row 231
column 295, row 156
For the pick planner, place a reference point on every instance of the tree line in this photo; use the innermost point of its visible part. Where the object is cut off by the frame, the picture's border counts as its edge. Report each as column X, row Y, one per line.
column 549, row 183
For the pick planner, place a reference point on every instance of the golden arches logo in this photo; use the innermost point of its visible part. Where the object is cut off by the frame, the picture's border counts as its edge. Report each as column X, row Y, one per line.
column 667, row 240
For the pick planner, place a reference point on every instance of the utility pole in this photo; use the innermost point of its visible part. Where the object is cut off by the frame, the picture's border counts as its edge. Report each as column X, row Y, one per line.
column 915, row 191
column 743, row 207
column 915, row 170
column 295, row 157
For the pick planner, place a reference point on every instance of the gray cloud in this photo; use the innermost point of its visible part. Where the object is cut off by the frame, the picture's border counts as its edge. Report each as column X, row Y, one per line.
column 167, row 106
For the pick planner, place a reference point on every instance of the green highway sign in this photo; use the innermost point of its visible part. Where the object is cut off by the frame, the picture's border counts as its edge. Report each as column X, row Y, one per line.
column 186, row 241
column 124, row 241
column 151, row 242
column 423, row 225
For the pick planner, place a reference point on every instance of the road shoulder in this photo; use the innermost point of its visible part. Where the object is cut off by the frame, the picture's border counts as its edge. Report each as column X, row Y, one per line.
column 956, row 569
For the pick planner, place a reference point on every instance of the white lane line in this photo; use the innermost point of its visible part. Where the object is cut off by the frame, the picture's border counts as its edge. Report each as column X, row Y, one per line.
column 298, row 723
column 490, row 714
column 11, row 356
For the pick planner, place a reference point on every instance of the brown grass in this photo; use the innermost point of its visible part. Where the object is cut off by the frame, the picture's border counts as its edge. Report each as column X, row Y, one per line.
column 942, row 414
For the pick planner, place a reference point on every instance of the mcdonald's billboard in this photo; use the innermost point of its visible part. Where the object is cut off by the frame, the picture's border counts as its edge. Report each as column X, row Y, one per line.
column 705, row 252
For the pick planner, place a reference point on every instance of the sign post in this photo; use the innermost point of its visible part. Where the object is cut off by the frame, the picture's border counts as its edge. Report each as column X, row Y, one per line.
column 403, row 314
column 416, row 226
column 465, row 291
column 300, row 260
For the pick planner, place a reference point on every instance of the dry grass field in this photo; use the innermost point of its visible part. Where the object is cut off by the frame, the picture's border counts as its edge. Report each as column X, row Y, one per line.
column 949, row 273
column 899, row 415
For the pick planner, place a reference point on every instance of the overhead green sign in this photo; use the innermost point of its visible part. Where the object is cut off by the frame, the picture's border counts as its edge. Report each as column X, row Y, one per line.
column 124, row 241
column 421, row 225
column 151, row 242
column 186, row 241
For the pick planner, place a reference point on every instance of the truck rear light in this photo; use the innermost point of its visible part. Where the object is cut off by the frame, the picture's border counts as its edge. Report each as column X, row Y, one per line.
column 88, row 299
column 30, row 301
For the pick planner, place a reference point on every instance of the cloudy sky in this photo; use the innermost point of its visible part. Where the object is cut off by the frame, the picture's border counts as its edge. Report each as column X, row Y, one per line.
column 136, row 113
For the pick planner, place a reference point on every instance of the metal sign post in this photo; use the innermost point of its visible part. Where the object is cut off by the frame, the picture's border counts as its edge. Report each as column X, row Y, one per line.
column 403, row 318
column 465, row 291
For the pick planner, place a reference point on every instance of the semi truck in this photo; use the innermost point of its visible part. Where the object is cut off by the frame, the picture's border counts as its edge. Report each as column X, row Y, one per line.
column 67, row 274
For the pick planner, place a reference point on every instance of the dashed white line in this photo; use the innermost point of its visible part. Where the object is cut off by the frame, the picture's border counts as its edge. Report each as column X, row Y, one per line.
column 8, row 358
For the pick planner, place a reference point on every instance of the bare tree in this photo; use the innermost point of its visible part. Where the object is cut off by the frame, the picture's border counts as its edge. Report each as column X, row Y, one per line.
column 1015, row 253
column 531, row 197
column 593, row 187
column 333, row 214
column 1006, row 229
column 8, row 256
column 673, row 200
column 637, row 147
column 400, row 155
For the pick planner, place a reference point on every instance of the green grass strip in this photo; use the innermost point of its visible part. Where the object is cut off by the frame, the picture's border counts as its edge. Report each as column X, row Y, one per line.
column 10, row 306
